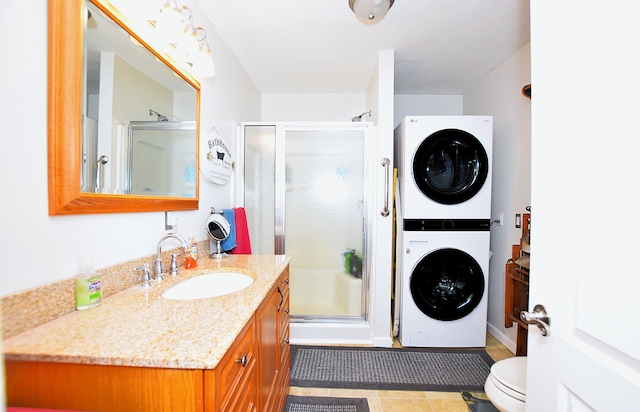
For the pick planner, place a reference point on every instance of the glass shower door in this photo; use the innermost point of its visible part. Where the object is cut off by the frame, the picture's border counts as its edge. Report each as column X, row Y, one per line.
column 259, row 186
column 324, row 221
column 161, row 159
column 305, row 197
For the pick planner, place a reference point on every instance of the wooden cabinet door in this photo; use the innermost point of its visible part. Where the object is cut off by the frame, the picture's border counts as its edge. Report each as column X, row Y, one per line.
column 86, row 387
column 266, row 321
column 282, row 384
column 231, row 386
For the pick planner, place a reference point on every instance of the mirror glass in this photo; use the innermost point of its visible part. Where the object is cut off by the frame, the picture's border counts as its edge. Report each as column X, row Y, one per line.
column 139, row 134
column 218, row 229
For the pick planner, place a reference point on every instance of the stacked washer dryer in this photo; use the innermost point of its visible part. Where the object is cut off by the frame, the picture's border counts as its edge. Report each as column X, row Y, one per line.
column 443, row 214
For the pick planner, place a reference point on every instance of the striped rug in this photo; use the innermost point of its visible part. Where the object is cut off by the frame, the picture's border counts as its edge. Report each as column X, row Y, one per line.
column 325, row 404
column 422, row 369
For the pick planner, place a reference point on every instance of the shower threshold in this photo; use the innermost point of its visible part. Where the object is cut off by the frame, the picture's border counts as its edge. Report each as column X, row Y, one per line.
column 333, row 331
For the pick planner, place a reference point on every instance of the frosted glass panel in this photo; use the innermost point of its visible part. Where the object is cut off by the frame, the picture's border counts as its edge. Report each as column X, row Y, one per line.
column 259, row 188
column 163, row 161
column 324, row 221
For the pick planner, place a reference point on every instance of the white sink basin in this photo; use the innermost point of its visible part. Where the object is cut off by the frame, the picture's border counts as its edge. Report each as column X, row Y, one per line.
column 208, row 285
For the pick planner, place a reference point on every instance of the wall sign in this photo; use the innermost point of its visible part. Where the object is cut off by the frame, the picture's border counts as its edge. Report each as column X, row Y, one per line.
column 216, row 164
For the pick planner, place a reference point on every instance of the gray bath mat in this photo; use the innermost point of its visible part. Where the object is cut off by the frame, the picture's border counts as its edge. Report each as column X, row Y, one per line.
column 408, row 369
column 325, row 404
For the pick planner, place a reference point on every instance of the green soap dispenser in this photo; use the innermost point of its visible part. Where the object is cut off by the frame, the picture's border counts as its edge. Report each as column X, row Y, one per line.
column 88, row 288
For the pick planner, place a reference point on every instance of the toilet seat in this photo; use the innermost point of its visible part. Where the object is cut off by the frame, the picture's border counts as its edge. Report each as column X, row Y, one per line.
column 506, row 385
column 510, row 376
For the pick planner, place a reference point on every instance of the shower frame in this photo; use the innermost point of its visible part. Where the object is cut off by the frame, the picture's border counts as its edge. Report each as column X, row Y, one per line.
column 158, row 126
column 309, row 328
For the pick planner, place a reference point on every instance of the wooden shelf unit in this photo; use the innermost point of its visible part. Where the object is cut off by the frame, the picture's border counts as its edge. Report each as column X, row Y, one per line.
column 516, row 297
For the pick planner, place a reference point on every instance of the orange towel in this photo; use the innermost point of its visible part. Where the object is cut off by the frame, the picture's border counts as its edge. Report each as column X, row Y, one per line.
column 242, row 233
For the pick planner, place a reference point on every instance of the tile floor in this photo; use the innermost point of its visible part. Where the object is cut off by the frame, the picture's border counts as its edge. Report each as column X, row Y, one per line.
column 410, row 401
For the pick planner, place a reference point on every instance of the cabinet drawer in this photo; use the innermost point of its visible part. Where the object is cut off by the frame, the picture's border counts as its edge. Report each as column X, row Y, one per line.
column 283, row 282
column 244, row 397
column 283, row 311
column 236, row 366
column 283, row 320
column 283, row 306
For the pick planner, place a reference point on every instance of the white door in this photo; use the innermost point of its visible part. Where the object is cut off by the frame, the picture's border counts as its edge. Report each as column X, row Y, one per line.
column 585, row 234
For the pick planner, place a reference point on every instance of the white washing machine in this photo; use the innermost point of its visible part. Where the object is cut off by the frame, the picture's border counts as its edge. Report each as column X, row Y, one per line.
column 444, row 166
column 442, row 283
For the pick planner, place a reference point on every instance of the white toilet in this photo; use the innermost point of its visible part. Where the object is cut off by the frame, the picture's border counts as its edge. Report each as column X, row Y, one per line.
column 506, row 385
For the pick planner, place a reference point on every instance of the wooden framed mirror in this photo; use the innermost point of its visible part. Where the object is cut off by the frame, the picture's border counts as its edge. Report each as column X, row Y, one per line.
column 65, row 129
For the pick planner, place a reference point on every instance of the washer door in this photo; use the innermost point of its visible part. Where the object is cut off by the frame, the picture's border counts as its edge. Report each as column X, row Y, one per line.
column 450, row 166
column 447, row 284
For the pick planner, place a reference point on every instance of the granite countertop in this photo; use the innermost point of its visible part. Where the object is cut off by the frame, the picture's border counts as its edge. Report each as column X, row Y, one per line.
column 137, row 327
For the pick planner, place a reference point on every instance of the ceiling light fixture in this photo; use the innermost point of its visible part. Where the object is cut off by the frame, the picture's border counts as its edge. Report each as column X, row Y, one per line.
column 370, row 11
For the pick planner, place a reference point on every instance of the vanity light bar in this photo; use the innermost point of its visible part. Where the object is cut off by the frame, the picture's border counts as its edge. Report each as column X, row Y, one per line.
column 170, row 29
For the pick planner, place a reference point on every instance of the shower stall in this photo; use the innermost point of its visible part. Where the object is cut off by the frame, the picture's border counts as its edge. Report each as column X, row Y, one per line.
column 307, row 193
column 162, row 158
column 156, row 158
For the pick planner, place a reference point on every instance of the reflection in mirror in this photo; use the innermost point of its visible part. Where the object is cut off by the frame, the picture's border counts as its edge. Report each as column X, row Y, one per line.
column 167, row 143
column 139, row 129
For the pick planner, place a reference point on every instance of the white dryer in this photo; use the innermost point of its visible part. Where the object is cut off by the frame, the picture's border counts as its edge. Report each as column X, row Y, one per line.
column 444, row 166
column 442, row 287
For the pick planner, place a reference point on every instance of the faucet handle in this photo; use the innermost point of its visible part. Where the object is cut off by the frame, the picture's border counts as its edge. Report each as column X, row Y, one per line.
column 158, row 272
column 173, row 269
column 146, row 276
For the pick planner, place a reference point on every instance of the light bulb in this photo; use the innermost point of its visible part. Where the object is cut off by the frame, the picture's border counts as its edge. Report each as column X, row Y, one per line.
column 202, row 65
column 370, row 11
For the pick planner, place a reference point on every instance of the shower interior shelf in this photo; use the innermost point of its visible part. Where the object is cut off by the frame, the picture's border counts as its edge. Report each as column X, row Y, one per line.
column 516, row 297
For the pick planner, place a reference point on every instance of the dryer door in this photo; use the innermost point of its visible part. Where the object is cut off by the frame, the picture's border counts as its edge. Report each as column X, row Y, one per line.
column 447, row 284
column 450, row 166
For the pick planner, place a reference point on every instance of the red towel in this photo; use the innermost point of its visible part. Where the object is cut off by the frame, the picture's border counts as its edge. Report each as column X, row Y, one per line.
column 242, row 233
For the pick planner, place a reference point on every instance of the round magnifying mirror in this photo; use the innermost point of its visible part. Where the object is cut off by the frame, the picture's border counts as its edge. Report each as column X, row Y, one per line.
column 218, row 229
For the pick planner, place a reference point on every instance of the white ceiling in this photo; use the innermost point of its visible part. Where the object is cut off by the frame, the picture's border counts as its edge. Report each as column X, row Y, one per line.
column 319, row 46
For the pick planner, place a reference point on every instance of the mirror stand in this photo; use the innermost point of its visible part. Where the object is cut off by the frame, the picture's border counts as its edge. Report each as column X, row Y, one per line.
column 218, row 254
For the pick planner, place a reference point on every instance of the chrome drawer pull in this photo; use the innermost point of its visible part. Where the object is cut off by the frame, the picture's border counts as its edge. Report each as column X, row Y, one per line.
column 243, row 361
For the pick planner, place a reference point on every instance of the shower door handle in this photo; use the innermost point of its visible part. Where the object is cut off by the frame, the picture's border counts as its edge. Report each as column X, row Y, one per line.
column 385, row 163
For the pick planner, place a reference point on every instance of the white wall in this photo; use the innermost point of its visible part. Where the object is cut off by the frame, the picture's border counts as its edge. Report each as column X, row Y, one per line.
column 312, row 107
column 425, row 105
column 500, row 95
column 36, row 248
column 380, row 101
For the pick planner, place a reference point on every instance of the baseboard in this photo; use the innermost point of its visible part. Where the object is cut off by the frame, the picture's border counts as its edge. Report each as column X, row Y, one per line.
column 506, row 340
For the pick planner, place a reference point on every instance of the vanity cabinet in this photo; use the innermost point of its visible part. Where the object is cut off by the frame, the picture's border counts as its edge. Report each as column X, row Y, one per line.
column 234, row 379
column 253, row 375
column 272, row 319
column 282, row 384
column 83, row 387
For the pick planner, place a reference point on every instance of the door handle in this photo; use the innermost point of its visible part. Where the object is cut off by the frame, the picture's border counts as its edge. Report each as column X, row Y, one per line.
column 385, row 163
column 538, row 317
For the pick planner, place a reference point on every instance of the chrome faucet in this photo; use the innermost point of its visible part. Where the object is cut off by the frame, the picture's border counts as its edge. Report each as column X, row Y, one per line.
column 185, row 247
